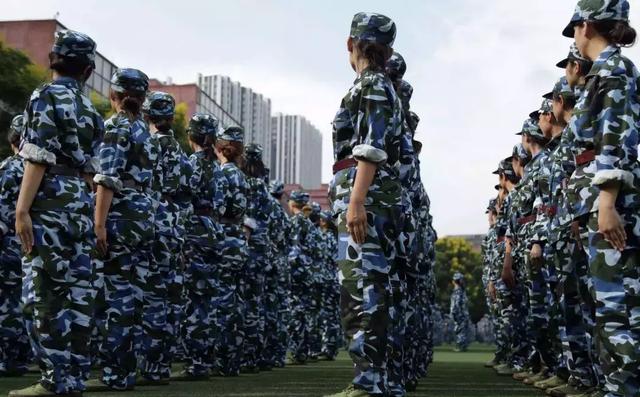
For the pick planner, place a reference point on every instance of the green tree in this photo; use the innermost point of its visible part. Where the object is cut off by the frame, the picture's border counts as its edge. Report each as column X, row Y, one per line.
column 102, row 105
column 455, row 254
column 18, row 78
column 180, row 126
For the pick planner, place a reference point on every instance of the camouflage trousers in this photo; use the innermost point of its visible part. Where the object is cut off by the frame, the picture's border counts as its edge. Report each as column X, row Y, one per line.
column 15, row 350
column 396, row 333
column 167, row 252
column 616, row 284
column 228, row 303
column 461, row 328
column 126, row 272
column 58, row 295
column 570, row 261
column 366, row 295
column 200, row 286
column 253, row 280
column 284, row 309
column 513, row 318
column 330, row 321
column 316, row 311
column 541, row 323
column 412, row 331
column 269, row 315
column 299, row 322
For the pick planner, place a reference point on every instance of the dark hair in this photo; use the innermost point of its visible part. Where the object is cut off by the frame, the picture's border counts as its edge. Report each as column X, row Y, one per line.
column 616, row 32
column 377, row 54
column 232, row 150
column 75, row 67
column 585, row 65
column 13, row 137
column 253, row 167
column 163, row 124
column 131, row 102
column 331, row 226
column 512, row 178
column 568, row 102
column 542, row 141
column 204, row 141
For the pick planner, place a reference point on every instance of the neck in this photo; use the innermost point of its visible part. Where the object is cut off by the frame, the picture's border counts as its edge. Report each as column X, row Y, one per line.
column 557, row 130
column 361, row 65
column 535, row 149
column 595, row 47
column 567, row 116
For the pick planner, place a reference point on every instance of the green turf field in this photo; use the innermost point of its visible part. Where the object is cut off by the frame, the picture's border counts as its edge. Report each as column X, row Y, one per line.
column 452, row 375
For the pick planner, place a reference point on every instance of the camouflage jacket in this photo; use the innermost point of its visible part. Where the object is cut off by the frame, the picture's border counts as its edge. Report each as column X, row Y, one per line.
column 11, row 171
column 369, row 127
column 542, row 190
column 488, row 254
column 302, row 248
column 62, row 128
column 259, row 209
column 459, row 304
column 236, row 198
column 278, row 228
column 330, row 255
column 606, row 120
column 208, row 184
column 128, row 154
column 317, row 253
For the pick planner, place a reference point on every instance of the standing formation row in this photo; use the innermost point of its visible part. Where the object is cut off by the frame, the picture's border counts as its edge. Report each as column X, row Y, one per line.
column 563, row 251
column 120, row 251
column 386, row 238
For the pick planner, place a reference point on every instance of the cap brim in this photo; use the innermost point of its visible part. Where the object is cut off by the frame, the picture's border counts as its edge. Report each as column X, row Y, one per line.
column 519, row 133
column 496, row 172
column 569, row 31
column 563, row 64
column 548, row 95
column 497, row 187
column 535, row 115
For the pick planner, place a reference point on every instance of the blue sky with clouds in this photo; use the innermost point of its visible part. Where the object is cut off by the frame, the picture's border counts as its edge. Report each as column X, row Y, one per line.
column 478, row 68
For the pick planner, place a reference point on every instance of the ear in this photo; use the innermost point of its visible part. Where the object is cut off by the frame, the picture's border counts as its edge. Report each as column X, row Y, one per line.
column 589, row 31
column 350, row 44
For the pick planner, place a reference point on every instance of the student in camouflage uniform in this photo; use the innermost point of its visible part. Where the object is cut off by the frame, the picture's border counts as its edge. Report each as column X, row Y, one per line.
column 459, row 311
column 367, row 134
column 203, row 235
column 314, row 295
column 60, row 140
column 488, row 256
column 125, row 230
column 603, row 190
column 330, row 323
column 259, row 263
column 159, row 109
column 300, row 262
column 15, row 350
column 278, row 343
column 229, row 306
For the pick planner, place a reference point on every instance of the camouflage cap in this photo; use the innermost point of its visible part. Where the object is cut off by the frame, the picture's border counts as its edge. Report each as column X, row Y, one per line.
column 457, row 276
column 520, row 153
column 17, row 124
column 377, row 28
column 276, row 188
column 396, row 67
column 492, row 206
column 532, row 129
column 315, row 207
column 203, row 124
column 414, row 117
column 299, row 197
column 561, row 86
column 326, row 215
column 231, row 134
column 72, row 44
column 253, row 150
column 159, row 104
column 597, row 10
column 545, row 107
column 574, row 55
column 129, row 80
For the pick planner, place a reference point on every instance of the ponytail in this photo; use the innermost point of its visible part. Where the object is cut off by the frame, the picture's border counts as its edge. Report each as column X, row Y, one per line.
column 619, row 33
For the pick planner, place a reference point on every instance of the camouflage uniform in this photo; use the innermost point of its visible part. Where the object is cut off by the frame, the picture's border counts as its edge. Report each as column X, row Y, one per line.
column 166, row 292
column 14, row 342
column 208, row 188
column 128, row 161
column 259, row 263
column 369, row 127
column 316, row 310
column 330, row 322
column 459, row 311
column 605, row 122
column 229, row 305
column 277, row 339
column 62, row 131
column 300, row 262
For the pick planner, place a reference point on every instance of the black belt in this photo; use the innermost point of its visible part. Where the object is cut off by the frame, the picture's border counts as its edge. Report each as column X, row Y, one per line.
column 63, row 170
column 132, row 184
column 344, row 164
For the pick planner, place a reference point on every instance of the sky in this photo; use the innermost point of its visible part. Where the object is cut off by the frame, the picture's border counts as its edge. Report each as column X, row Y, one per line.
column 478, row 68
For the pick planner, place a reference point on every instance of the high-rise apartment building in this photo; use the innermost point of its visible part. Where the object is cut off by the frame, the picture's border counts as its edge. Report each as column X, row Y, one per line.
column 298, row 145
